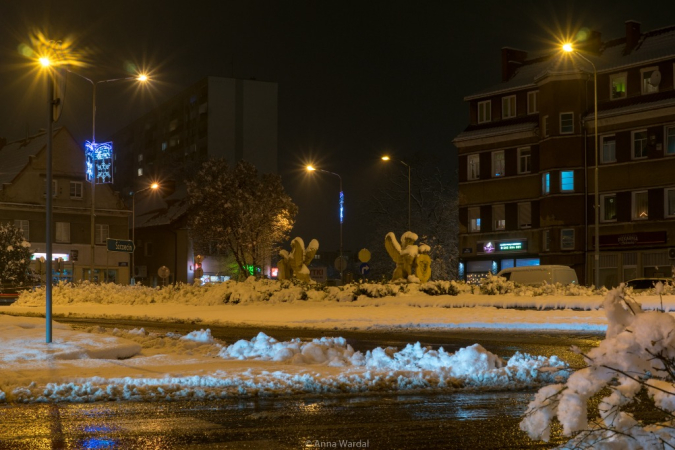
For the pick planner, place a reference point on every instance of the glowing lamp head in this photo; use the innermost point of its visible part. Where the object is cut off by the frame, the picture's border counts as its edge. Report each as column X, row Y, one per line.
column 44, row 61
column 154, row 186
column 385, row 158
column 311, row 168
column 568, row 47
column 142, row 77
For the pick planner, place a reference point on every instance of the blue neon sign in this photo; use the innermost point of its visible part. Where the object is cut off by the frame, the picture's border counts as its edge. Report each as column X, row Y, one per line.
column 99, row 162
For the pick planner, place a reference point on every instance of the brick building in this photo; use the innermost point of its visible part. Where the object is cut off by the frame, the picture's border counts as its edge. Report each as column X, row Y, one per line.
column 527, row 160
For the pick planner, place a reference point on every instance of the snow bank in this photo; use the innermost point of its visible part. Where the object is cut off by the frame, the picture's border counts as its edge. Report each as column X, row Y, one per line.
column 197, row 366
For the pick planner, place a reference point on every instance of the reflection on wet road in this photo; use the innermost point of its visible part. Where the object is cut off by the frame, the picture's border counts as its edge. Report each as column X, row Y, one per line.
column 449, row 421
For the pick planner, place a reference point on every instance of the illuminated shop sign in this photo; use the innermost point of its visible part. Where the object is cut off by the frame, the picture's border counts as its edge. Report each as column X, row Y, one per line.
column 99, row 158
column 63, row 256
column 510, row 246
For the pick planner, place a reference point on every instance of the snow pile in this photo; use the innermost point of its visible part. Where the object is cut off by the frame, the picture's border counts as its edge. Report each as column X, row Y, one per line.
column 635, row 363
column 85, row 366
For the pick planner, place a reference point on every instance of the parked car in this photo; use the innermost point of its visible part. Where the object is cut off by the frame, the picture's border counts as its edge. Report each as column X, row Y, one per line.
column 642, row 284
column 536, row 275
column 9, row 294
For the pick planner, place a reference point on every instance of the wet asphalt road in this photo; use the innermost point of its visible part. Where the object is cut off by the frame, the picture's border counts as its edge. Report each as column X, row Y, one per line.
column 464, row 420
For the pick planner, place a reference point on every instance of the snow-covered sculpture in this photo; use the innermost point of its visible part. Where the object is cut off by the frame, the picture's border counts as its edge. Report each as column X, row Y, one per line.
column 412, row 261
column 294, row 263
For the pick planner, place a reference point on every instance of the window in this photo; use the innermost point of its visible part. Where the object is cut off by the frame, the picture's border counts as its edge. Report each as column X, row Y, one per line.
column 473, row 168
column 484, row 111
column 608, row 144
column 498, row 163
column 524, row 160
column 102, row 233
column 567, row 123
column 63, row 232
column 508, row 107
column 140, row 171
column 567, row 239
column 474, row 220
column 24, row 226
column 670, row 139
column 640, row 205
column 55, row 189
column 639, row 139
column 524, row 215
column 546, row 183
column 649, row 84
column 670, row 202
column 567, row 181
column 140, row 157
column 608, row 207
column 164, row 145
column 75, row 189
column 532, row 106
column 617, row 86
column 499, row 217
column 546, row 240
column 545, row 125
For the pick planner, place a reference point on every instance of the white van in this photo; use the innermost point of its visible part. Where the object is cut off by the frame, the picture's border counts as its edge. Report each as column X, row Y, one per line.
column 536, row 275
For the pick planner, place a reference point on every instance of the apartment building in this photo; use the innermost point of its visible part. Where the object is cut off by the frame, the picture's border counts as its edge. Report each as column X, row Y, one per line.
column 527, row 160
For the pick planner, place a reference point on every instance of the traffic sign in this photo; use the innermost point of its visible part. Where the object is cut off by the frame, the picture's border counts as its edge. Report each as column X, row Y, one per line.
column 119, row 245
column 364, row 255
column 364, row 269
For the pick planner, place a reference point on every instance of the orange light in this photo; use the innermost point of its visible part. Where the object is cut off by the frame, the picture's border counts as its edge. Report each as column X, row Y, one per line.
column 568, row 47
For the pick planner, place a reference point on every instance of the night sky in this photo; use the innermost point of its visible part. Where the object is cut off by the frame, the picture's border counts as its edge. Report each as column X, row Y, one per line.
column 356, row 78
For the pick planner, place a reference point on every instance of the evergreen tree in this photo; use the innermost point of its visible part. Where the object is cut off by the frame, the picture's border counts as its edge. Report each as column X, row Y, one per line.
column 14, row 256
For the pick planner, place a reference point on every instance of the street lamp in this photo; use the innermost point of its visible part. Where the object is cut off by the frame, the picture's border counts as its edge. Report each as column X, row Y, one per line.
column 570, row 49
column 311, row 168
column 387, row 158
column 154, row 187
column 142, row 78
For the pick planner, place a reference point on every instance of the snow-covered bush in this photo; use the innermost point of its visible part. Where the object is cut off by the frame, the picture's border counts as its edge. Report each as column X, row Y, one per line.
column 494, row 285
column 440, row 287
column 634, row 364
column 14, row 256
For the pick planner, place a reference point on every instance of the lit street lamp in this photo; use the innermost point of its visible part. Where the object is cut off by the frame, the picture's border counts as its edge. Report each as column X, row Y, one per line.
column 570, row 49
column 342, row 210
column 154, row 187
column 142, row 78
column 387, row 158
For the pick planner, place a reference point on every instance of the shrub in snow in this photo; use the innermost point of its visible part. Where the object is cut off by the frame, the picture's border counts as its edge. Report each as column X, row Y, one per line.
column 14, row 256
column 440, row 287
column 494, row 285
column 634, row 364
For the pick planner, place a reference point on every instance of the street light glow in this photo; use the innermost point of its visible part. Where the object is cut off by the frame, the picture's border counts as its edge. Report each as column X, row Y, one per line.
column 310, row 168
column 568, row 47
column 44, row 61
column 142, row 77
column 385, row 158
column 154, row 185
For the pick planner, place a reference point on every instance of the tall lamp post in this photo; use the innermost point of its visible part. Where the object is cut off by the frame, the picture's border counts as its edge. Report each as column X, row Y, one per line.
column 154, row 187
column 46, row 63
column 342, row 209
column 570, row 49
column 94, row 84
column 387, row 158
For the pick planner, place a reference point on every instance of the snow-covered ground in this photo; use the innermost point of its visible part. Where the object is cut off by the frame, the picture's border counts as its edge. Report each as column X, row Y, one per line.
column 103, row 364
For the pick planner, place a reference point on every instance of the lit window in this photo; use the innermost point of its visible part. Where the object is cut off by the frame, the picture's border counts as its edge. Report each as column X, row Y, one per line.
column 639, row 144
column 484, row 111
column 566, row 123
column 63, row 232
column 532, row 99
column 102, row 233
column 524, row 160
column 499, row 217
column 24, row 226
column 567, row 181
column 474, row 220
column 608, row 207
column 140, row 157
column 140, row 171
column 670, row 202
column 524, row 215
column 608, row 144
column 508, row 107
column 640, row 205
column 617, row 85
column 75, row 189
column 545, row 183
column 567, row 239
column 473, row 167
column 498, row 163
column 670, row 140
column 650, row 80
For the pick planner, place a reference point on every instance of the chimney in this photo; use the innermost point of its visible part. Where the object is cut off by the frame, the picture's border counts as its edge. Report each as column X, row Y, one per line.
column 512, row 59
column 632, row 35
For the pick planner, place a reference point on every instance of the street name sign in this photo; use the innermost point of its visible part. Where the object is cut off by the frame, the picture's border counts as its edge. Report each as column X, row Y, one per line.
column 118, row 245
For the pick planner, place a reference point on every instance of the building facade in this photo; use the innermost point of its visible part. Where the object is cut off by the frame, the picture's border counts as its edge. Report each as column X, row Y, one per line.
column 527, row 161
column 215, row 118
column 22, row 202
